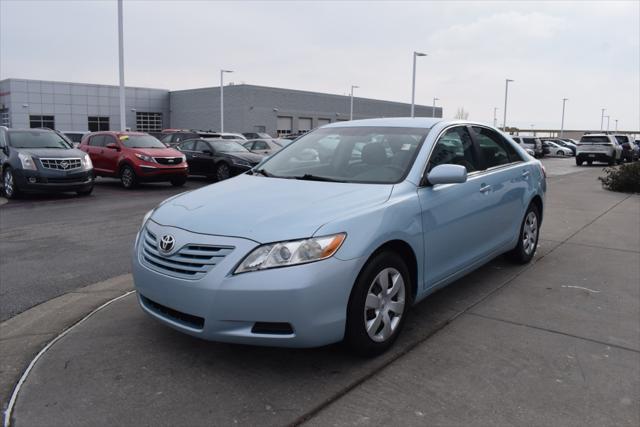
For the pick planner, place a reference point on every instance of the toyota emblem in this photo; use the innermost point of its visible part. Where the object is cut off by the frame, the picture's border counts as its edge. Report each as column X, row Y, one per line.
column 166, row 243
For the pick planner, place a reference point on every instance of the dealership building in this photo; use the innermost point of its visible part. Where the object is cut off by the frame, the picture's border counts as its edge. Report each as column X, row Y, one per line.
column 92, row 107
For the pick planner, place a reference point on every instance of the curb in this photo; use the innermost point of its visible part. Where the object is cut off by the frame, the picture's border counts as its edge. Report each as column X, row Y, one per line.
column 26, row 334
column 3, row 201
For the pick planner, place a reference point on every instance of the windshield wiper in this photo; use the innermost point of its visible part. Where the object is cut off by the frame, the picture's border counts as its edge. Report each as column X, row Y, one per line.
column 309, row 177
column 260, row 172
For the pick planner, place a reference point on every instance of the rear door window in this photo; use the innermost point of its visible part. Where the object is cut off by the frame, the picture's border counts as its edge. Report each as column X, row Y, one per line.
column 97, row 141
column 496, row 151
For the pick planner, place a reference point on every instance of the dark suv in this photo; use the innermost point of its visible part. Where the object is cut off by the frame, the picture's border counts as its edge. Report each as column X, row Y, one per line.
column 134, row 157
column 33, row 160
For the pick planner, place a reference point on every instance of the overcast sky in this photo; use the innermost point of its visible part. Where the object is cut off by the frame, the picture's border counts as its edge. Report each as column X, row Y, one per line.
column 588, row 52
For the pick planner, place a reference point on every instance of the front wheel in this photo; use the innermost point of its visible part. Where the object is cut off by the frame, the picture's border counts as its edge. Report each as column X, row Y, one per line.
column 527, row 237
column 128, row 177
column 223, row 171
column 560, row 153
column 9, row 184
column 378, row 305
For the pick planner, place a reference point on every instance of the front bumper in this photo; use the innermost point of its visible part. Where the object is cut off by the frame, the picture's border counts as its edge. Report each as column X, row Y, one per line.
column 151, row 173
column 311, row 298
column 56, row 181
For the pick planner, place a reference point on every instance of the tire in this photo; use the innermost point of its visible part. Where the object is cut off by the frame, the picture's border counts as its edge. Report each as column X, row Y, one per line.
column 527, row 237
column 9, row 188
column 560, row 153
column 222, row 171
column 589, row 162
column 578, row 162
column 372, row 324
column 84, row 193
column 179, row 182
column 128, row 177
column 612, row 161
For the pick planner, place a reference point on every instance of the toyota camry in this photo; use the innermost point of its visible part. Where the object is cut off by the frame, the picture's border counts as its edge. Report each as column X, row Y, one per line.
column 337, row 235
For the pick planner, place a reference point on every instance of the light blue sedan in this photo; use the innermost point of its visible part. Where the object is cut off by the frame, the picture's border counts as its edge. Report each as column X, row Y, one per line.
column 337, row 235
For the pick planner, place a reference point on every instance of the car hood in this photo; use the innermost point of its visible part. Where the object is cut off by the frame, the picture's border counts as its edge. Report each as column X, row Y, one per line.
column 250, row 157
column 158, row 152
column 267, row 209
column 55, row 153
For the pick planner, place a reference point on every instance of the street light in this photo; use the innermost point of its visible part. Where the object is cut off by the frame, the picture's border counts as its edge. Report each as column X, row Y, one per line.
column 222, row 98
column 123, row 125
column 616, row 125
column 495, row 117
column 433, row 109
column 351, row 108
column 564, row 100
column 602, row 118
column 608, row 117
column 506, row 92
column 413, row 86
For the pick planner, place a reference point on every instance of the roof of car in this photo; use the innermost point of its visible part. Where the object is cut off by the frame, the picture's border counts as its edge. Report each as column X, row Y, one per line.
column 423, row 122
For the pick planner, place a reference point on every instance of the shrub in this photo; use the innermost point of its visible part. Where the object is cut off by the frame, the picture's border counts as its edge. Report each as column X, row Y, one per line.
column 626, row 178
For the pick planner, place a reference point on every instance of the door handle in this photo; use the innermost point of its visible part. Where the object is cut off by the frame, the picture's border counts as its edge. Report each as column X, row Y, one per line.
column 484, row 188
column 525, row 173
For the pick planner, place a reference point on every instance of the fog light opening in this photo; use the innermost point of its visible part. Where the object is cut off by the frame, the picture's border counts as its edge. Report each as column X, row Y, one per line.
column 272, row 328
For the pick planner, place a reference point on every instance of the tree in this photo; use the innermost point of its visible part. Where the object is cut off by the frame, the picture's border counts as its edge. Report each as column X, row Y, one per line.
column 461, row 114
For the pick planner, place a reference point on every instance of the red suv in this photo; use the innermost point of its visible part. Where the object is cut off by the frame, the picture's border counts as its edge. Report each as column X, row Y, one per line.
column 134, row 157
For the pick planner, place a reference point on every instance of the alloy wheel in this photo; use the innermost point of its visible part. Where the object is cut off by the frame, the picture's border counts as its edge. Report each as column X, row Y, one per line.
column 8, row 184
column 530, row 233
column 222, row 172
column 384, row 304
column 127, row 177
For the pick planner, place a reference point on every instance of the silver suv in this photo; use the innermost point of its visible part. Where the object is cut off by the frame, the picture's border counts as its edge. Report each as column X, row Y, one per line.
column 530, row 142
column 598, row 147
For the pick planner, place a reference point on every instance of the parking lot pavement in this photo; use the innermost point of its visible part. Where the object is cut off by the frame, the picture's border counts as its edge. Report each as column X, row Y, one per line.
column 555, row 342
column 53, row 244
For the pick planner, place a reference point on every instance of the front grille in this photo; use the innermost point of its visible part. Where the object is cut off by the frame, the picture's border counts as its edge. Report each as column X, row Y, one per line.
column 192, row 261
column 175, row 315
column 61, row 164
column 168, row 160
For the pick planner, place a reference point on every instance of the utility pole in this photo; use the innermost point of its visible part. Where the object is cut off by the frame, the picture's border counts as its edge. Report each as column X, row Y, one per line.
column 564, row 100
column 506, row 93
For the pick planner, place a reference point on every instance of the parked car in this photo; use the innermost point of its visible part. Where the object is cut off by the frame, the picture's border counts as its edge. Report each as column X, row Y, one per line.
column 567, row 144
column 218, row 158
column 630, row 151
column 256, row 135
column 555, row 149
column 532, row 143
column 262, row 146
column 75, row 136
column 306, row 254
column 599, row 147
column 40, row 160
column 134, row 157
column 227, row 135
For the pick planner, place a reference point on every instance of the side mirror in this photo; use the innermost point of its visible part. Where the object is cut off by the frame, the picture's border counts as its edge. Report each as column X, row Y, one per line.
column 113, row 146
column 447, row 174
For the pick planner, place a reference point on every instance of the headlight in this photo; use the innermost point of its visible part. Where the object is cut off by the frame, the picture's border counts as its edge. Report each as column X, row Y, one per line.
column 86, row 162
column 27, row 161
column 240, row 162
column 292, row 252
column 145, row 158
column 184, row 158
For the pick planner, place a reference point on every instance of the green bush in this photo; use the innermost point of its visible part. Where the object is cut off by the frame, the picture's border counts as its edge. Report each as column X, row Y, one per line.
column 625, row 178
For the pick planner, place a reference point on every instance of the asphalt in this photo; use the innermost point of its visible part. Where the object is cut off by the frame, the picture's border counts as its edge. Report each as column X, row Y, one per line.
column 54, row 244
column 556, row 342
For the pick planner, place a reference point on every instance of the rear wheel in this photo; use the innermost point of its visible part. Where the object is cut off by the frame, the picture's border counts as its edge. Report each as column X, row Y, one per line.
column 578, row 162
column 589, row 162
column 128, row 177
column 9, row 184
column 560, row 153
column 378, row 305
column 528, row 237
column 223, row 171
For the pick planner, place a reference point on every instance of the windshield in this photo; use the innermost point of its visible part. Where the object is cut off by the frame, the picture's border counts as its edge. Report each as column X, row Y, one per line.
column 226, row 146
column 141, row 141
column 380, row 155
column 36, row 139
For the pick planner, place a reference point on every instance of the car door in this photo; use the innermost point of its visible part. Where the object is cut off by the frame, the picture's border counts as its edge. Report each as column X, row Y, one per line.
column 453, row 214
column 110, row 156
column 205, row 157
column 186, row 148
column 506, row 179
column 94, row 149
column 4, row 149
column 260, row 147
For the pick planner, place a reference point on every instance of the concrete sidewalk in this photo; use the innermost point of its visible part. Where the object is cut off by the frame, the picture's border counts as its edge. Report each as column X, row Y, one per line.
column 553, row 343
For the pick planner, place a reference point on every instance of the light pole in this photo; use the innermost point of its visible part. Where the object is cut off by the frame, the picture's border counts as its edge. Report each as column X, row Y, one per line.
column 564, row 100
column 351, row 107
column 616, row 125
column 602, row 118
column 608, row 117
column 433, row 109
column 222, row 98
column 506, row 93
column 123, row 124
column 495, row 117
column 413, row 86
